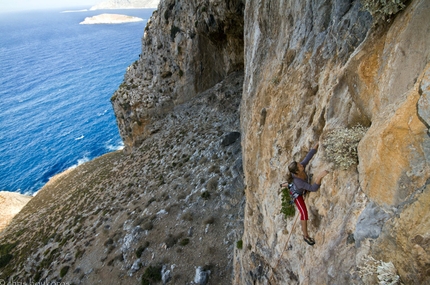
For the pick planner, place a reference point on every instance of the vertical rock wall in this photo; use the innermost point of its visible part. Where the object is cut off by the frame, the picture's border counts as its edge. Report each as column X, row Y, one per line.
column 388, row 78
column 187, row 47
column 311, row 67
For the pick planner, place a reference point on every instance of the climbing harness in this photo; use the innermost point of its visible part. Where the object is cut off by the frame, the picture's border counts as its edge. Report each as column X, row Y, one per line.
column 293, row 191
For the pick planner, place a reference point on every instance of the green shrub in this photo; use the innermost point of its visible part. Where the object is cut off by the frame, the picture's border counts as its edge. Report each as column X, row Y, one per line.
column 147, row 226
column 37, row 276
column 4, row 259
column 206, row 195
column 152, row 275
column 6, row 248
column 184, row 242
column 209, row 221
column 171, row 240
column 383, row 9
column 79, row 253
column 141, row 249
column 214, row 169
column 276, row 80
column 212, row 184
column 64, row 271
column 150, row 201
column 187, row 216
column 5, row 255
column 108, row 242
column 239, row 244
column 287, row 208
column 341, row 146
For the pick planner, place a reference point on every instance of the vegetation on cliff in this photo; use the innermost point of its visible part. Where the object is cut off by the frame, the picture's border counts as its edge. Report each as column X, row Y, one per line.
column 383, row 9
column 340, row 146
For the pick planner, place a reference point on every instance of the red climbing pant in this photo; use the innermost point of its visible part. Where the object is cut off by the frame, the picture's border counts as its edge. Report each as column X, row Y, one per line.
column 300, row 203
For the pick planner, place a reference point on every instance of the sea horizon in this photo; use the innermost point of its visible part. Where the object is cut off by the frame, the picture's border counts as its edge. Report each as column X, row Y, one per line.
column 55, row 94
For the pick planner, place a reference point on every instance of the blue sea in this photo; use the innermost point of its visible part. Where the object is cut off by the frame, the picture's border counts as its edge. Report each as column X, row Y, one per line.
column 56, row 80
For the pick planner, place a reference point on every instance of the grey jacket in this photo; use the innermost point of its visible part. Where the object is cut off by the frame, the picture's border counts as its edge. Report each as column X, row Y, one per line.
column 301, row 185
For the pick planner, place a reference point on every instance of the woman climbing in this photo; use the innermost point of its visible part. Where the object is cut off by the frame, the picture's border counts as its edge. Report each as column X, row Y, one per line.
column 301, row 183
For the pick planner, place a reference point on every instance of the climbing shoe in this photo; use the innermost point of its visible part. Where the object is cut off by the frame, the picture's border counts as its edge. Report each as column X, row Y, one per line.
column 309, row 240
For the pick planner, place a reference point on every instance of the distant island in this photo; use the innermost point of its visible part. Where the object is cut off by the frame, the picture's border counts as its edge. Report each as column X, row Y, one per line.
column 126, row 4
column 110, row 19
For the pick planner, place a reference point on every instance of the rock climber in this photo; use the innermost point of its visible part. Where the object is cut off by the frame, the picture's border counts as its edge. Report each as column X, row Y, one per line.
column 301, row 181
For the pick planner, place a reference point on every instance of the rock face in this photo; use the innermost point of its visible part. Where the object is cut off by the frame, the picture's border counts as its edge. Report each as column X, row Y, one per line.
column 310, row 68
column 187, row 48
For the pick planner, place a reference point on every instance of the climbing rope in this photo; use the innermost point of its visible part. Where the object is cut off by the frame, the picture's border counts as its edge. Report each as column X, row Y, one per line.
column 285, row 246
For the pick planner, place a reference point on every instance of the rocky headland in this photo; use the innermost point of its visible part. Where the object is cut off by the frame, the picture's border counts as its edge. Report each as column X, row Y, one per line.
column 110, row 19
column 223, row 96
column 10, row 205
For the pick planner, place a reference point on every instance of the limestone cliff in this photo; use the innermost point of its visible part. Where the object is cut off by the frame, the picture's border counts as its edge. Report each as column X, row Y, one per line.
column 187, row 48
column 312, row 67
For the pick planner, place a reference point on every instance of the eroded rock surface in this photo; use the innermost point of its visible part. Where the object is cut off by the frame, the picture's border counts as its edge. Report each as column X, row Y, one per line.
column 324, row 68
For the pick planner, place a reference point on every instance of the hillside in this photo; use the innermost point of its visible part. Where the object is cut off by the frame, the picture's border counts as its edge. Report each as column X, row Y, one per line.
column 174, row 203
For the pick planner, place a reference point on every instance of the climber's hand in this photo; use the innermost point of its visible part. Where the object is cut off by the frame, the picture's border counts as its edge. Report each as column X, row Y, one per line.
column 315, row 146
column 320, row 177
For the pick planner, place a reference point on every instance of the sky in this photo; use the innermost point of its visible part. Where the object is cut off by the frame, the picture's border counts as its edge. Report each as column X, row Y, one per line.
column 17, row 5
